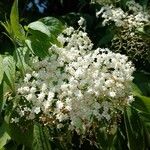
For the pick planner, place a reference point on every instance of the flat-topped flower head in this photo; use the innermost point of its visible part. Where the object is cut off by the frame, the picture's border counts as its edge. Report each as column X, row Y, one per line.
column 76, row 86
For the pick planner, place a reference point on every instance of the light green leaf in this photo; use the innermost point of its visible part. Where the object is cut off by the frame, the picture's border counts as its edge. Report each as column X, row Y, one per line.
column 47, row 25
column 14, row 21
column 146, row 101
column 39, row 26
column 9, row 71
column 1, row 69
column 20, row 56
column 53, row 24
column 135, row 90
column 4, row 137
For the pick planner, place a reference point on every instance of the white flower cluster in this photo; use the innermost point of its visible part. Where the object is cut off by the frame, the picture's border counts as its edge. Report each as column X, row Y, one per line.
column 76, row 85
column 135, row 17
column 112, row 14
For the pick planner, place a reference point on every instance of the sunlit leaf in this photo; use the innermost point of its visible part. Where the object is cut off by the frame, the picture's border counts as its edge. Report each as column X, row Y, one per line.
column 9, row 71
column 39, row 26
column 14, row 21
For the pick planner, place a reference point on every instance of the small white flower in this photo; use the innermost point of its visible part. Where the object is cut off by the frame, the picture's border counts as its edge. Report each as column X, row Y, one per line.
column 37, row 110
column 130, row 99
column 112, row 94
column 14, row 120
column 81, row 21
column 59, row 105
column 44, row 87
column 50, row 95
column 30, row 97
column 41, row 96
column 33, row 90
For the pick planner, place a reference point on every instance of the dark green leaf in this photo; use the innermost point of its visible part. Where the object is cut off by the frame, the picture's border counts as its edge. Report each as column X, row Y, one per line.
column 146, row 29
column 146, row 101
column 106, row 38
column 39, row 43
column 22, row 134
column 134, row 130
column 41, row 138
column 142, row 80
column 4, row 137
column 1, row 69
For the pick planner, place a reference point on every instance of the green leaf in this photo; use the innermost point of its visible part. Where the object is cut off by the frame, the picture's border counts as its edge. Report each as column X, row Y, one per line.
column 53, row 24
column 21, row 133
column 9, row 71
column 135, row 90
column 21, row 56
column 4, row 91
column 134, row 130
column 43, row 33
column 39, row 43
column 141, row 102
column 47, row 25
column 1, row 97
column 146, row 101
column 4, row 137
column 14, row 21
column 1, row 69
column 41, row 138
column 145, row 116
column 104, row 139
column 39, row 26
column 142, row 80
column 106, row 38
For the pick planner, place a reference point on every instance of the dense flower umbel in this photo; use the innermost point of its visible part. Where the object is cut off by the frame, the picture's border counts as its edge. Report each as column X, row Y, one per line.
column 135, row 16
column 76, row 86
column 127, row 39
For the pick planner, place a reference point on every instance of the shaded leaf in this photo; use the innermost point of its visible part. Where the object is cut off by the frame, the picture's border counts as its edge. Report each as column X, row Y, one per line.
column 39, row 43
column 106, row 38
column 146, row 101
column 41, row 139
column 21, row 134
column 1, row 69
column 134, row 130
column 4, row 137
